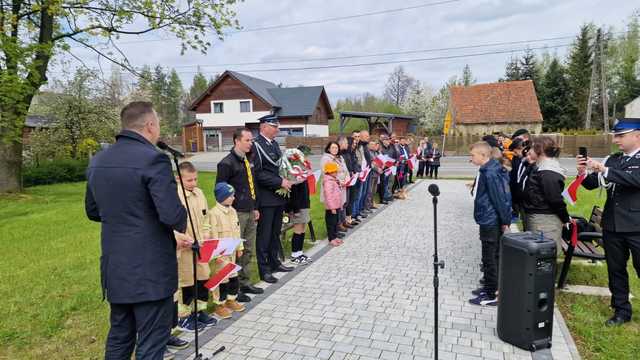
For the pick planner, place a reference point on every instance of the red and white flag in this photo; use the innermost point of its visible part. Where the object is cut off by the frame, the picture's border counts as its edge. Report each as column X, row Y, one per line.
column 571, row 192
column 391, row 171
column 364, row 173
column 352, row 180
column 208, row 250
column 383, row 161
column 312, row 181
column 219, row 277
column 413, row 162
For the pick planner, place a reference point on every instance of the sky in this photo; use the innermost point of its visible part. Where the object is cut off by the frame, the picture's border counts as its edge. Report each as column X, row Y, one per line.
column 451, row 23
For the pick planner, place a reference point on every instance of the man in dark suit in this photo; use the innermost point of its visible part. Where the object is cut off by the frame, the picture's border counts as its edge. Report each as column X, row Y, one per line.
column 267, row 160
column 132, row 192
column 620, row 175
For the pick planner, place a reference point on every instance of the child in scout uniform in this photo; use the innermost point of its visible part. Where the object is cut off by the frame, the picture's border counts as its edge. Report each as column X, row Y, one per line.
column 224, row 223
column 198, row 210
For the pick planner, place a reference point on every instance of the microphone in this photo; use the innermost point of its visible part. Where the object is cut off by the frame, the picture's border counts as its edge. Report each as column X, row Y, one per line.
column 162, row 145
column 434, row 190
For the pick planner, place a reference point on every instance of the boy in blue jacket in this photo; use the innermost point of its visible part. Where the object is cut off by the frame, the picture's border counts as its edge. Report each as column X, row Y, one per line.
column 492, row 212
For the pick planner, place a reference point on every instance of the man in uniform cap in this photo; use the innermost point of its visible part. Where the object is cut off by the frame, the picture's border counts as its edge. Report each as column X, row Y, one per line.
column 619, row 174
column 270, row 204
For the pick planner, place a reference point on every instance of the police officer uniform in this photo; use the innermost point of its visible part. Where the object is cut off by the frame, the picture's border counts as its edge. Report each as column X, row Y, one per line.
column 267, row 160
column 620, row 219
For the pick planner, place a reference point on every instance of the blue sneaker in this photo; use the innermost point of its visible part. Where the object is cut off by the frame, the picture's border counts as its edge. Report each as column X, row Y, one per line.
column 205, row 319
column 484, row 299
column 188, row 324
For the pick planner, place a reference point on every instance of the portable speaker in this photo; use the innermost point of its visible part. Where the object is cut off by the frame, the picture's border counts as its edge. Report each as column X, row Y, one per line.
column 526, row 290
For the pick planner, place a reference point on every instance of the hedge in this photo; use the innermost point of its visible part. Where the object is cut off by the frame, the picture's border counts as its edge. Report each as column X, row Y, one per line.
column 53, row 172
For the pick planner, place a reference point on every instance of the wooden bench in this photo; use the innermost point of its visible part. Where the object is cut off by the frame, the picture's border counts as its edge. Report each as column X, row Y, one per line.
column 587, row 244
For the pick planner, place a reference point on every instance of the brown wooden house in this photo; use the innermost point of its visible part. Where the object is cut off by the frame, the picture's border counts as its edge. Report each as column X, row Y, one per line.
column 236, row 100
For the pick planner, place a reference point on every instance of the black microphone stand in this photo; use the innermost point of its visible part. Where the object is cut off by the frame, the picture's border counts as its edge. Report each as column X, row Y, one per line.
column 195, row 250
column 437, row 264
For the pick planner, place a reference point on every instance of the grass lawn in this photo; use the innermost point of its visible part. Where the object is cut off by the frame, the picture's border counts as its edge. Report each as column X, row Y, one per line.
column 585, row 315
column 50, row 273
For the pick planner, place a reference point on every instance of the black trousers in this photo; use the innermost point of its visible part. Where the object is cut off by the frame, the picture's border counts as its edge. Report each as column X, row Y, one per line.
column 188, row 293
column 268, row 238
column 422, row 165
column 617, row 247
column 433, row 171
column 148, row 322
column 332, row 224
column 229, row 288
column 490, row 239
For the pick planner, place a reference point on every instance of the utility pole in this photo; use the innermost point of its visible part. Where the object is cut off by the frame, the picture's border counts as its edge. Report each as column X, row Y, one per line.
column 603, row 84
column 587, row 121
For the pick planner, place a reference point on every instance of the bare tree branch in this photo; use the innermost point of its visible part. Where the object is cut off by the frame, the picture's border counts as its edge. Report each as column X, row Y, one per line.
column 125, row 65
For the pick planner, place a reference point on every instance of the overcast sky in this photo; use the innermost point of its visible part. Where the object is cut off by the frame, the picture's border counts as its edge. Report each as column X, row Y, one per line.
column 454, row 24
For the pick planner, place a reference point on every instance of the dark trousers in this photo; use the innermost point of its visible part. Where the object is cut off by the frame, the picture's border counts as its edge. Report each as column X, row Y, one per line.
column 422, row 165
column 433, row 171
column 332, row 224
column 490, row 240
column 229, row 288
column 188, row 293
column 617, row 247
column 149, row 322
column 268, row 238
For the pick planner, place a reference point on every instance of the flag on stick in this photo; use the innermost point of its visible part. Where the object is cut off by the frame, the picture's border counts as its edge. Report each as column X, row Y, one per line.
column 571, row 192
column 219, row 277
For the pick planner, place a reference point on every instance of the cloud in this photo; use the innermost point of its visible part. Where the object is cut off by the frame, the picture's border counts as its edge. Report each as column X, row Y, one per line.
column 467, row 22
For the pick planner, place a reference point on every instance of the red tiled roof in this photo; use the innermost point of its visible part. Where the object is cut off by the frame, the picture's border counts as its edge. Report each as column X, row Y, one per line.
column 502, row 102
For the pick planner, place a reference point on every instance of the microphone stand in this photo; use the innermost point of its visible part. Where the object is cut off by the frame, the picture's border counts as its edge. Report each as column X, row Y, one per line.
column 195, row 250
column 437, row 264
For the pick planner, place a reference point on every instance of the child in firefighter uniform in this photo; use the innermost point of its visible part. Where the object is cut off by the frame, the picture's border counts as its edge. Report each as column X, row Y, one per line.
column 197, row 213
column 224, row 223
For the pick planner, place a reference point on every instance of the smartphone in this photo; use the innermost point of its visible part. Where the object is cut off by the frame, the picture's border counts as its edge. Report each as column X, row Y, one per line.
column 582, row 151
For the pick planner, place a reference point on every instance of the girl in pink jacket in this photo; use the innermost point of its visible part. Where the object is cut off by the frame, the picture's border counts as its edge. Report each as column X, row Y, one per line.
column 332, row 201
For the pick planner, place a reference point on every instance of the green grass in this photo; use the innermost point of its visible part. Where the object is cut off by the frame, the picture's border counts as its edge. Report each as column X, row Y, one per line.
column 585, row 315
column 50, row 284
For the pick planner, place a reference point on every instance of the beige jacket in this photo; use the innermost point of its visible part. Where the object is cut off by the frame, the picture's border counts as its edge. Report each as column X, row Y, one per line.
column 198, row 213
column 224, row 223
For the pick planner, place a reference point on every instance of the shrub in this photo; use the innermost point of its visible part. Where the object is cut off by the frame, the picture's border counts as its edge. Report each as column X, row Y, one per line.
column 53, row 172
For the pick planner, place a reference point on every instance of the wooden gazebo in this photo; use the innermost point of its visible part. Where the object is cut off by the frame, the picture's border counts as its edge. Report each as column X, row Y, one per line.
column 379, row 122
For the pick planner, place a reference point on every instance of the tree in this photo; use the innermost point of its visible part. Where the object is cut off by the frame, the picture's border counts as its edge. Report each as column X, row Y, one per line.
column 467, row 76
column 33, row 33
column 579, row 75
column 554, row 98
column 174, row 97
column 398, row 84
column 80, row 113
column 513, row 71
column 142, row 91
column 418, row 102
column 199, row 86
column 529, row 66
column 625, row 59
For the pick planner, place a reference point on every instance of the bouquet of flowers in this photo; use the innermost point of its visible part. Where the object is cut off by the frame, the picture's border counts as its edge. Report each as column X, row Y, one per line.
column 293, row 168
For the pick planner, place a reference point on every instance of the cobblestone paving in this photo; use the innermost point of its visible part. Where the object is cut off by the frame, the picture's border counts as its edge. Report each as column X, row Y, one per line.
column 372, row 298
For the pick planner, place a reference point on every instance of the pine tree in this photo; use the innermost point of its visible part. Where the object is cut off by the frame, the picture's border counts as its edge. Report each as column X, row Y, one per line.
column 529, row 66
column 579, row 75
column 174, row 97
column 513, row 71
column 467, row 76
column 198, row 86
column 626, row 65
column 159, row 96
column 143, row 86
column 554, row 98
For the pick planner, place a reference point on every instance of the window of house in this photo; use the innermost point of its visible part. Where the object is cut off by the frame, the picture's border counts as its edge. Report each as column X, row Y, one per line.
column 291, row 132
column 245, row 106
column 218, row 108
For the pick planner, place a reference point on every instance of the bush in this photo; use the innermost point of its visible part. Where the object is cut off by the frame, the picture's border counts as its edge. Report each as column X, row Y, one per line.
column 53, row 172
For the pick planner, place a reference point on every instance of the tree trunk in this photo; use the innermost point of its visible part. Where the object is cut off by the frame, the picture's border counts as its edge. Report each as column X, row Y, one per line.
column 10, row 167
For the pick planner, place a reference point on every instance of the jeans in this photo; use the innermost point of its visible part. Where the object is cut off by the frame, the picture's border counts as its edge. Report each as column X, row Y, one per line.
column 354, row 200
column 364, row 192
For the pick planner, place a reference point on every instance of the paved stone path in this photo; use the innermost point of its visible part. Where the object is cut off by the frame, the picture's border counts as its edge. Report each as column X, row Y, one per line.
column 372, row 298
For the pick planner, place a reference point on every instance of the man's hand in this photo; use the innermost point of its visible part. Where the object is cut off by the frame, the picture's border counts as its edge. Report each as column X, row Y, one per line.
column 595, row 165
column 334, row 211
column 256, row 215
column 506, row 228
column 286, row 184
column 581, row 163
column 239, row 254
column 184, row 242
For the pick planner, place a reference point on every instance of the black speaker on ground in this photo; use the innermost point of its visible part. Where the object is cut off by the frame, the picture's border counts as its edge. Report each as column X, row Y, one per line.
column 526, row 290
